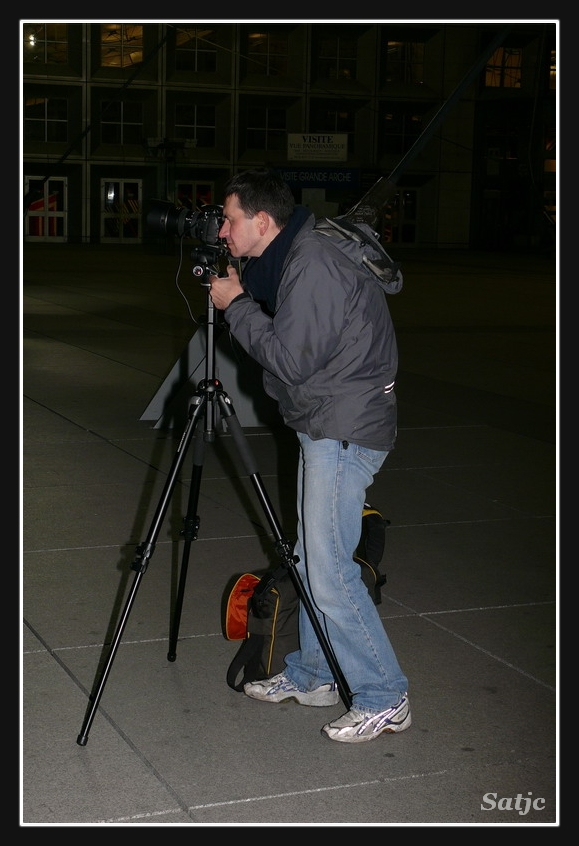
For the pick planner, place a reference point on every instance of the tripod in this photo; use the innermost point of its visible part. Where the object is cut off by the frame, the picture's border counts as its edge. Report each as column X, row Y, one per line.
column 208, row 397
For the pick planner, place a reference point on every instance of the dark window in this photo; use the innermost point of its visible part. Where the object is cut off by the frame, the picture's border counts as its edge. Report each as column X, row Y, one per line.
column 195, row 49
column 332, row 119
column 328, row 116
column 405, row 62
column 46, row 119
column 400, row 128
column 266, row 128
column 121, row 122
column 267, row 53
column 337, row 57
column 195, row 122
column 399, row 224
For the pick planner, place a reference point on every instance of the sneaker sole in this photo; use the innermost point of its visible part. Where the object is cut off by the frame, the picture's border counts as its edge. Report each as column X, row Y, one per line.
column 321, row 701
column 362, row 738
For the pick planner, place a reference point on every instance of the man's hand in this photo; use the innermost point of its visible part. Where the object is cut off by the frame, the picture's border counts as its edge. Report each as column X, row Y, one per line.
column 224, row 289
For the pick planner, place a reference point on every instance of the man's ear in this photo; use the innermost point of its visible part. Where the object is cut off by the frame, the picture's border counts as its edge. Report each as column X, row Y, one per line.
column 263, row 221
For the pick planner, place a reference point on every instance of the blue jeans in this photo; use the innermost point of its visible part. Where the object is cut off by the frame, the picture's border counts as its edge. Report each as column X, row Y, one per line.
column 331, row 491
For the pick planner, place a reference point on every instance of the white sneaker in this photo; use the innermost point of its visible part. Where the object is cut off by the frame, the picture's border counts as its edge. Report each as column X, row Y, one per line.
column 281, row 689
column 356, row 727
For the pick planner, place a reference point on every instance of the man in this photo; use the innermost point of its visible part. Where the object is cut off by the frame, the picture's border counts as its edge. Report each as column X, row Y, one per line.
column 320, row 327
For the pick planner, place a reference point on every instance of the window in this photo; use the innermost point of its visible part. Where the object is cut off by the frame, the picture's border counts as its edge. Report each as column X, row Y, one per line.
column 501, row 145
column 267, row 53
column 121, row 45
column 46, row 44
column 195, row 49
column 121, row 122
column 193, row 195
column 195, row 122
column 504, row 68
column 337, row 58
column 405, row 62
column 399, row 129
column 266, row 128
column 331, row 116
column 120, row 210
column 44, row 208
column 46, row 119
column 399, row 225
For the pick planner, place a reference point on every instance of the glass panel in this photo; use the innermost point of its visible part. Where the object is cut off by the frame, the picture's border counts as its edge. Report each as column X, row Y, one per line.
column 46, row 43
column 111, row 196
column 204, row 193
column 205, row 137
column 504, row 68
column 132, row 134
column 121, row 45
column 267, row 53
column 56, row 195
column 111, row 110
column 121, row 210
column 131, row 198
column 405, row 62
column 111, row 133
column 121, row 122
column 56, row 132
column 399, row 221
column 266, row 129
column 400, row 129
column 45, row 207
column 276, row 118
column 196, row 49
column 256, row 139
column 46, row 119
column 337, row 58
column 184, row 193
column 132, row 112
column 196, row 123
column 34, row 121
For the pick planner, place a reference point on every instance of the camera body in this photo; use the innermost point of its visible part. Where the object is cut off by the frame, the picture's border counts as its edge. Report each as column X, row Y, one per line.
column 203, row 224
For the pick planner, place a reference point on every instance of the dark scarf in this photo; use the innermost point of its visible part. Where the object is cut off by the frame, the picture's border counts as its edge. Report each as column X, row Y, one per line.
column 262, row 275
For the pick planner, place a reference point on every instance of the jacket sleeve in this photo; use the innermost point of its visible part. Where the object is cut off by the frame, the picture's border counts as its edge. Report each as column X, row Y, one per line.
column 307, row 326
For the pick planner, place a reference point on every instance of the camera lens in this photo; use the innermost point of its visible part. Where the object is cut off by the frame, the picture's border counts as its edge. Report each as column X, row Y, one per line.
column 165, row 217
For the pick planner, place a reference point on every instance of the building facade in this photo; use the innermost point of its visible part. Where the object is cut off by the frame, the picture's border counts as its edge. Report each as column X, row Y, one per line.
column 457, row 120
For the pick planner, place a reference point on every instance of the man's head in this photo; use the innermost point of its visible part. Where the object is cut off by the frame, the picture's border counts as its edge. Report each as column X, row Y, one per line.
column 257, row 205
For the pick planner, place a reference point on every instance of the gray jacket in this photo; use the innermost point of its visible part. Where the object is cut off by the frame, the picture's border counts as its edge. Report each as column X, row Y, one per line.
column 329, row 354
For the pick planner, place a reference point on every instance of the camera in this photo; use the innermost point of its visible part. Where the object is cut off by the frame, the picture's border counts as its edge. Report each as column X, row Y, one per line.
column 203, row 224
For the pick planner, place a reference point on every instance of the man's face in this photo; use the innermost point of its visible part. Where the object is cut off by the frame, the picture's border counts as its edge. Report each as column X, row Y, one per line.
column 243, row 234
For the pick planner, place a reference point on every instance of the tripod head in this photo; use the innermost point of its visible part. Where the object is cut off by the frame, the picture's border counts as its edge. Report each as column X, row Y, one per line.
column 210, row 260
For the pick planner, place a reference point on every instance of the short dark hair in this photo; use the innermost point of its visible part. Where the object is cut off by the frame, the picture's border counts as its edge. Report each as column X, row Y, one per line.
column 262, row 189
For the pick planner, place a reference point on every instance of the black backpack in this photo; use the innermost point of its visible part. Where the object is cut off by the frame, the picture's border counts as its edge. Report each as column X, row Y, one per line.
column 263, row 611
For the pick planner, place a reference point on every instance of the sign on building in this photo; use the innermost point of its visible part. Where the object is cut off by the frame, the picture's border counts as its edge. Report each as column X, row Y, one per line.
column 322, row 147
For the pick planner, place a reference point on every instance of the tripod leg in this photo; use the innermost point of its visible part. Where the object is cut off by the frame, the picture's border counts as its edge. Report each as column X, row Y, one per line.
column 189, row 532
column 283, row 546
column 143, row 553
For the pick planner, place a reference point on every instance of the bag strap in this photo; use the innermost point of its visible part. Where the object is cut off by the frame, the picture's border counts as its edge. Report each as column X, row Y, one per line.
column 250, row 647
column 385, row 269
